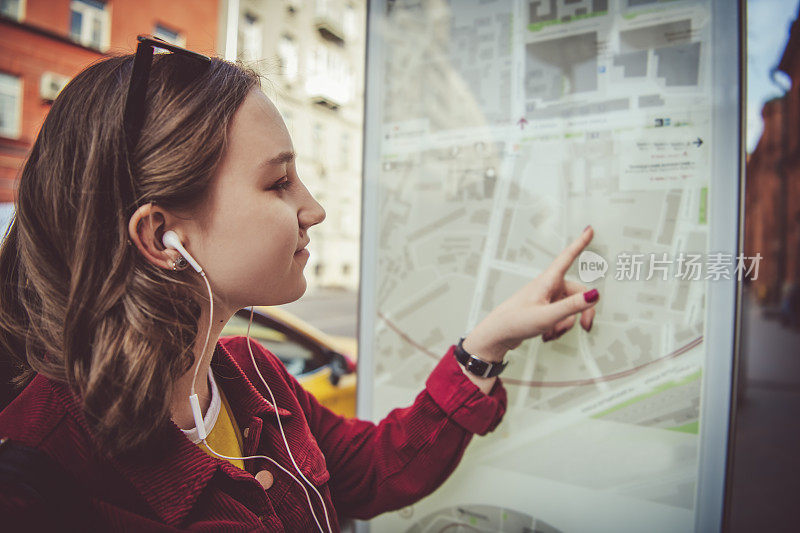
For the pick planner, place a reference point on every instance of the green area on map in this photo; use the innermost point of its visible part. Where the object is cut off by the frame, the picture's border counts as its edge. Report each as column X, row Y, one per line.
column 656, row 390
column 703, row 205
column 536, row 26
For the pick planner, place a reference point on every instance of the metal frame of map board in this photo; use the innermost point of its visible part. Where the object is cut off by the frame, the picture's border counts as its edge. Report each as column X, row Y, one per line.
column 723, row 300
column 724, row 236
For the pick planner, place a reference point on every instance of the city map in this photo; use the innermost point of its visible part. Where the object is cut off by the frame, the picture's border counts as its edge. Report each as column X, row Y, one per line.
column 507, row 128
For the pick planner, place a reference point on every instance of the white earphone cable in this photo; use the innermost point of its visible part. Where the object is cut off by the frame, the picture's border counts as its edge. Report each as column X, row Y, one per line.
column 308, row 498
column 208, row 333
column 199, row 419
column 280, row 425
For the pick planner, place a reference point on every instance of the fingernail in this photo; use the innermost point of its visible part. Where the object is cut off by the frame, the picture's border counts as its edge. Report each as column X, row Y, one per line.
column 591, row 296
column 586, row 228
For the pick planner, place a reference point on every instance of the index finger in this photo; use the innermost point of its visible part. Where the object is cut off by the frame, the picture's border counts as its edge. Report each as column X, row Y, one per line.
column 562, row 262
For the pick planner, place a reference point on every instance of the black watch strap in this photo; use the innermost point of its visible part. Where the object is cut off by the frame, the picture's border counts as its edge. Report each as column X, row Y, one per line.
column 475, row 365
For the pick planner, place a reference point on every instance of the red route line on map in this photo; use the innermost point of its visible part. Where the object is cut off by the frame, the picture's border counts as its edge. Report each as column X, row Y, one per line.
column 460, row 525
column 572, row 383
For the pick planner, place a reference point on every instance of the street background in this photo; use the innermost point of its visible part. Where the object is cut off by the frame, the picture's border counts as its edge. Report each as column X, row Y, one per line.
column 333, row 310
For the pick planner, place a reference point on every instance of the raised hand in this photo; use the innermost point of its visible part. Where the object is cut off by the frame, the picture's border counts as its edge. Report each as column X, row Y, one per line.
column 546, row 306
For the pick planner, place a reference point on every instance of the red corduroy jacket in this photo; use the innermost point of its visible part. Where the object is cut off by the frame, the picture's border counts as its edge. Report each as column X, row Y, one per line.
column 361, row 469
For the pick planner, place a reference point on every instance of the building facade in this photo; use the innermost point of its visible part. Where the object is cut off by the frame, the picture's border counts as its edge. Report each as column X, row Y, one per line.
column 772, row 227
column 44, row 43
column 311, row 55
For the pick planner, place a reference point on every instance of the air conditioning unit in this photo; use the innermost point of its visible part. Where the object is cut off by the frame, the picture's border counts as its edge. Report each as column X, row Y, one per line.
column 51, row 84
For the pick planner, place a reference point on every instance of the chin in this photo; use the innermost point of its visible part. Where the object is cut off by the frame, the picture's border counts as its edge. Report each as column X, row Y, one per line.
column 291, row 296
column 301, row 290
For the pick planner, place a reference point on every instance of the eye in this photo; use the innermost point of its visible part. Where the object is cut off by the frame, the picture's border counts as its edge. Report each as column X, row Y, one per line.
column 282, row 184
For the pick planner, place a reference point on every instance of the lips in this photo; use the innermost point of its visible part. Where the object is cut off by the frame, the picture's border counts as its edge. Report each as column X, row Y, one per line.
column 302, row 247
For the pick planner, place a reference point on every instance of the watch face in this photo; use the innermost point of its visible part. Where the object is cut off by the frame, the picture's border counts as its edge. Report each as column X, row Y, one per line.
column 475, row 366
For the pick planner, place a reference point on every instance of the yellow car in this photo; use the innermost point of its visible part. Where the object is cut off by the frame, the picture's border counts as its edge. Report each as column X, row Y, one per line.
column 323, row 364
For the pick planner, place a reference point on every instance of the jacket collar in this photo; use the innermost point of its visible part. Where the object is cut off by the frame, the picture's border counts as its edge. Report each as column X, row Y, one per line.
column 232, row 373
column 172, row 483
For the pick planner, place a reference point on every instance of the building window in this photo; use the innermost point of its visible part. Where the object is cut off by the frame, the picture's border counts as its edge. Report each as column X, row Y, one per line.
column 329, row 76
column 169, row 35
column 10, row 106
column 349, row 22
column 318, row 138
column 345, row 152
column 287, row 50
column 12, row 9
column 6, row 217
column 251, row 37
column 288, row 119
column 89, row 24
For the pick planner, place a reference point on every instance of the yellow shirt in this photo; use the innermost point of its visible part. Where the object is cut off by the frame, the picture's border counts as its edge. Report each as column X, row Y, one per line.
column 225, row 438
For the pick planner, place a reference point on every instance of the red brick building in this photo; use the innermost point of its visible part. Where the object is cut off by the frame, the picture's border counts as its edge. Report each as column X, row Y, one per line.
column 43, row 43
column 772, row 226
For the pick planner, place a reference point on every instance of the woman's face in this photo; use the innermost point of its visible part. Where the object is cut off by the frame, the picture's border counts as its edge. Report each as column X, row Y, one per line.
column 257, row 214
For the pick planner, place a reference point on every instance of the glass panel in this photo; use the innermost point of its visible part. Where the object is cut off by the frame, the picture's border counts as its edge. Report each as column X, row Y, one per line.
column 97, row 32
column 7, row 104
column 288, row 119
column 10, row 106
column 6, row 215
column 345, row 151
column 251, row 37
column 288, row 53
column 10, row 8
column 75, row 25
column 92, row 4
column 496, row 131
column 349, row 21
column 167, row 34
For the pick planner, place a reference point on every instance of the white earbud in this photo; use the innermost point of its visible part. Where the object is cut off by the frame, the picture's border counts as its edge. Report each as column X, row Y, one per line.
column 171, row 240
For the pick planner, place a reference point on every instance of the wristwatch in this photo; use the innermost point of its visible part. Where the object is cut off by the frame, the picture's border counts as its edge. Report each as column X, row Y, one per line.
column 475, row 365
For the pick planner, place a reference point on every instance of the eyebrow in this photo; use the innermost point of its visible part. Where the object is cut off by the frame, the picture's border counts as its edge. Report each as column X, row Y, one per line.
column 280, row 159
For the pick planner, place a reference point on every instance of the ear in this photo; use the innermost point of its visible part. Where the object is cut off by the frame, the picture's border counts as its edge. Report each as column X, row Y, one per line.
column 146, row 229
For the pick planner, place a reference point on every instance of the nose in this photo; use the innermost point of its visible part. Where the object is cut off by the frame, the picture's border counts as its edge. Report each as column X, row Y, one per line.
column 312, row 212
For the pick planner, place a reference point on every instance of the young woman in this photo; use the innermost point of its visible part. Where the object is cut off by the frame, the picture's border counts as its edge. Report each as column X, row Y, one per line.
column 153, row 205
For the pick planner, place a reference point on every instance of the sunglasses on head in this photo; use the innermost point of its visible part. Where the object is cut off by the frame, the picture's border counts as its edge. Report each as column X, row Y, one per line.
column 134, row 103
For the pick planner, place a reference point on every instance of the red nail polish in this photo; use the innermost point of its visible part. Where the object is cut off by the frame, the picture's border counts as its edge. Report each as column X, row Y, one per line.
column 591, row 296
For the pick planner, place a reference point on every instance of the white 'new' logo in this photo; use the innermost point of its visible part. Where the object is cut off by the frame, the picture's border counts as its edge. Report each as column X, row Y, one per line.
column 591, row 266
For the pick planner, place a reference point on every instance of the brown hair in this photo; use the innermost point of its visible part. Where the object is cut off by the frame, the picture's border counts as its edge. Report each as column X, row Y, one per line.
column 78, row 303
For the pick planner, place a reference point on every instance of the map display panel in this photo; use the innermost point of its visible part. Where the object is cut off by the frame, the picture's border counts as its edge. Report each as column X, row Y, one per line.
column 507, row 127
